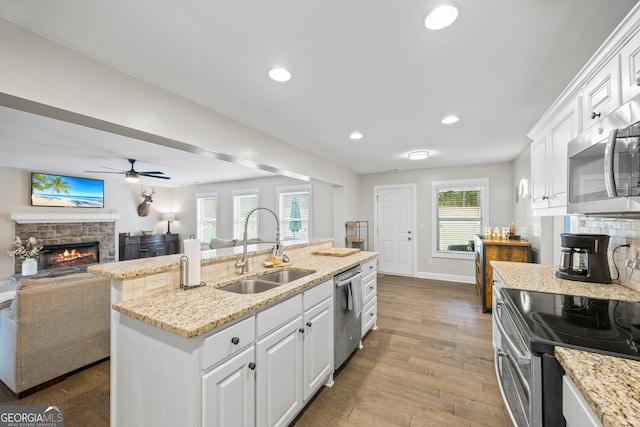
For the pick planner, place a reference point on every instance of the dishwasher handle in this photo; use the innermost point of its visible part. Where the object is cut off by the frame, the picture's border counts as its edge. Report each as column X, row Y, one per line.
column 345, row 282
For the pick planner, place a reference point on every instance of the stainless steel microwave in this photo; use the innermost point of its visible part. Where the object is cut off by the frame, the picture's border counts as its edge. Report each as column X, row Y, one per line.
column 604, row 165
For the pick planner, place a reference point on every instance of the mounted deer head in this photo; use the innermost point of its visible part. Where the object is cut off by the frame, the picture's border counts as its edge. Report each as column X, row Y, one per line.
column 145, row 207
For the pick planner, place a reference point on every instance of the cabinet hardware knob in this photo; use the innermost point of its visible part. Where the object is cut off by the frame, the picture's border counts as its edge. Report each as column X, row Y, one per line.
column 409, row 231
column 309, row 324
column 638, row 81
column 235, row 340
column 252, row 366
column 301, row 330
column 408, row 238
column 371, row 314
column 594, row 115
column 371, row 287
column 545, row 197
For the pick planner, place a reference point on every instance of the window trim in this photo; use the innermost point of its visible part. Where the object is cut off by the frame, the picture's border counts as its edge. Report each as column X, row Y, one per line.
column 295, row 189
column 457, row 184
column 245, row 192
column 207, row 195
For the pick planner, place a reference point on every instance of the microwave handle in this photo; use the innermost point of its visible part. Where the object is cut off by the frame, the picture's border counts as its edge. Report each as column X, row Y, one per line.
column 609, row 151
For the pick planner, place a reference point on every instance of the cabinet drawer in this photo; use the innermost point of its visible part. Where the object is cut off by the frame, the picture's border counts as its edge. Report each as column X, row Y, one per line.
column 317, row 294
column 223, row 344
column 369, row 268
column 369, row 315
column 269, row 319
column 369, row 289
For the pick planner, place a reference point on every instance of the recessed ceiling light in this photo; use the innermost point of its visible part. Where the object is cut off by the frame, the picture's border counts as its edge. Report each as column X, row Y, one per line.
column 441, row 17
column 450, row 119
column 418, row 155
column 280, row 75
column 356, row 135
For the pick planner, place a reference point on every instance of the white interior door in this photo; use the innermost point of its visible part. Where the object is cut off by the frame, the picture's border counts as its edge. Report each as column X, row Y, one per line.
column 394, row 229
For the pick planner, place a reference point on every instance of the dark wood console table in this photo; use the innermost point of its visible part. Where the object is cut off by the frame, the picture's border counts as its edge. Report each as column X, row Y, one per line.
column 134, row 247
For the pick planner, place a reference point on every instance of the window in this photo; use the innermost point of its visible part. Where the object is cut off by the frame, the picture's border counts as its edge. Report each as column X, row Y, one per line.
column 294, row 211
column 207, row 211
column 460, row 213
column 243, row 202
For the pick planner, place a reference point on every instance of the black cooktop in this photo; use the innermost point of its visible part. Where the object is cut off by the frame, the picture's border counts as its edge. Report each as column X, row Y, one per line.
column 601, row 325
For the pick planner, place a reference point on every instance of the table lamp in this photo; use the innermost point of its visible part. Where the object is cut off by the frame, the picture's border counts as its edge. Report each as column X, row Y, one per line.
column 168, row 216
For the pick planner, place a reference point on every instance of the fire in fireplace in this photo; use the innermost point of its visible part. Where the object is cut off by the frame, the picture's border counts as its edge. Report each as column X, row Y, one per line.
column 70, row 254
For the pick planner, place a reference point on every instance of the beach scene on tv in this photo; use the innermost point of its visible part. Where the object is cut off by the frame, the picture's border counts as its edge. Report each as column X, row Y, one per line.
column 66, row 191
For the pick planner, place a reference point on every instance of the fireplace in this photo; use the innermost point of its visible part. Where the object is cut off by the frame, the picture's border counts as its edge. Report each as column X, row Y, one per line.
column 69, row 255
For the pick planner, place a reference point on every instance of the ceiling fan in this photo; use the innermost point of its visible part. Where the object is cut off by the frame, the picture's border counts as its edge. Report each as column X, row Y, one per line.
column 133, row 175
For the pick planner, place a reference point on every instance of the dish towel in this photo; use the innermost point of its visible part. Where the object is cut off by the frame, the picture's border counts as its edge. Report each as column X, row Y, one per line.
column 354, row 300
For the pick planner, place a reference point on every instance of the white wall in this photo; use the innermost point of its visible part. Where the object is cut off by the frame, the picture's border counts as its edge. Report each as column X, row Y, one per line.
column 501, row 198
column 527, row 224
column 322, row 206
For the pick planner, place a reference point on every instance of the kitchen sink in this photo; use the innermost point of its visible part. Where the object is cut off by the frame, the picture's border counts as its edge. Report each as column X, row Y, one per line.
column 250, row 286
column 266, row 281
column 285, row 276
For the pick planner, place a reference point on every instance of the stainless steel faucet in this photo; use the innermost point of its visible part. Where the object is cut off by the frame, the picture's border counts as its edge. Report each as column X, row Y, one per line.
column 243, row 264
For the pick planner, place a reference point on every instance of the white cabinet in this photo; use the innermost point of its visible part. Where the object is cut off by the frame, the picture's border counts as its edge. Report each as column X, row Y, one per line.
column 228, row 392
column 601, row 93
column 576, row 410
column 369, row 291
column 318, row 346
column 549, row 161
column 279, row 379
column 630, row 68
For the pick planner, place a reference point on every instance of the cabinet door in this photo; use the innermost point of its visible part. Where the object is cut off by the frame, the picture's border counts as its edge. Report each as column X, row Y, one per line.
column 318, row 346
column 563, row 129
column 602, row 93
column 228, row 392
column 279, row 375
column 539, row 195
column 630, row 68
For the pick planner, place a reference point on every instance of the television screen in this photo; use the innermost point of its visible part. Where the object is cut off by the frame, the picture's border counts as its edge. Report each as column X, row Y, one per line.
column 66, row 191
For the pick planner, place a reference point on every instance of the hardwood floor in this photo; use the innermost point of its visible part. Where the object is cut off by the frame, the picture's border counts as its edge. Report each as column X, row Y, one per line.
column 430, row 363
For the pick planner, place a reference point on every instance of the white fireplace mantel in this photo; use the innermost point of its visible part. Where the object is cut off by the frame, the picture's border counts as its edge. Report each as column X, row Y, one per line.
column 42, row 217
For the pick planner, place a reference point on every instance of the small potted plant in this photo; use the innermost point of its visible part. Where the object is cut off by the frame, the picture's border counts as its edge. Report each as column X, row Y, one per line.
column 29, row 251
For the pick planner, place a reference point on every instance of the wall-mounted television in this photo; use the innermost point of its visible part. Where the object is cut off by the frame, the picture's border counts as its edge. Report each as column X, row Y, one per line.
column 66, row 191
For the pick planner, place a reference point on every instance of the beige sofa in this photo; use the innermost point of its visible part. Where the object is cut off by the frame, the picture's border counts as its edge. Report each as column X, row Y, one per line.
column 52, row 327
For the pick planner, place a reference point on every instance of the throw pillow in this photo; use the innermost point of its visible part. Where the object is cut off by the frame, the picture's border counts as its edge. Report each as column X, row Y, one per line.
column 221, row 243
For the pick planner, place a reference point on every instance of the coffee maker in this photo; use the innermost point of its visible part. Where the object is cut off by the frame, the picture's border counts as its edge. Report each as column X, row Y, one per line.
column 584, row 258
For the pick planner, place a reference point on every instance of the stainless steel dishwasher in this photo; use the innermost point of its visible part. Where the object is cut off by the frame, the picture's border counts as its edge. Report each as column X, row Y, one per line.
column 347, row 327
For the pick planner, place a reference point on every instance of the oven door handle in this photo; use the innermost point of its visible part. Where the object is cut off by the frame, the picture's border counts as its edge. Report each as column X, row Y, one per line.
column 523, row 358
column 500, row 354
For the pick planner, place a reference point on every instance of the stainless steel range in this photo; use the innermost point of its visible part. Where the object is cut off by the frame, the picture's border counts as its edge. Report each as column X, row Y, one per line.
column 527, row 327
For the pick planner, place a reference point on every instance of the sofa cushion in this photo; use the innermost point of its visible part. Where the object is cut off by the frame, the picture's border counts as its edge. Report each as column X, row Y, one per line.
column 221, row 243
column 7, row 292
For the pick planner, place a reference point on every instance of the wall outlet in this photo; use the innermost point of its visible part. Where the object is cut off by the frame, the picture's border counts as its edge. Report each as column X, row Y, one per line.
column 156, row 281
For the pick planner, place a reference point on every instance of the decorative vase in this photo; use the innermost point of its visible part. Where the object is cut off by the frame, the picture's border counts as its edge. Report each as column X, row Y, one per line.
column 29, row 267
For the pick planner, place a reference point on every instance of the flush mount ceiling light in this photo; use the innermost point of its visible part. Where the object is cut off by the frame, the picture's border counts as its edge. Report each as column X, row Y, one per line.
column 441, row 17
column 450, row 120
column 280, row 75
column 356, row 135
column 418, row 155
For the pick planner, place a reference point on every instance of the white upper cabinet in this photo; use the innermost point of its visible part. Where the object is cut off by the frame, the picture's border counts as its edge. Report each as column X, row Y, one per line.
column 630, row 68
column 602, row 93
column 549, row 161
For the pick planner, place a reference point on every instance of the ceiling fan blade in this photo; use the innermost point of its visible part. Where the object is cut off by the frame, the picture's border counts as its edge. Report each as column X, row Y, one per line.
column 153, row 172
column 154, row 176
column 104, row 172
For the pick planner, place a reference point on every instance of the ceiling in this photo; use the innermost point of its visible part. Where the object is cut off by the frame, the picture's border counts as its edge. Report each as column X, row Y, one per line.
column 357, row 65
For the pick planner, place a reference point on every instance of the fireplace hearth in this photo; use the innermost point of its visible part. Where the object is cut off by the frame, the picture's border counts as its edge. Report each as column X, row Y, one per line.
column 69, row 255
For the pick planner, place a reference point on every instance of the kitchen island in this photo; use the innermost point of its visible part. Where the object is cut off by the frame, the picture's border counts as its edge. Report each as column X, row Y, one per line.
column 608, row 384
column 191, row 357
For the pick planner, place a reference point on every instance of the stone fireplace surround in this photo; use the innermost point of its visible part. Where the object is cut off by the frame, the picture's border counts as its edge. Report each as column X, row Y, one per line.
column 69, row 228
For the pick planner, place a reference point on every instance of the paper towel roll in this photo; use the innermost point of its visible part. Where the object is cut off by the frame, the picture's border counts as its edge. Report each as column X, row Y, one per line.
column 193, row 252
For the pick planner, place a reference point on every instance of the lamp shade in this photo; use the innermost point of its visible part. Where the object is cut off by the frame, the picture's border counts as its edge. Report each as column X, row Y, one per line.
column 168, row 216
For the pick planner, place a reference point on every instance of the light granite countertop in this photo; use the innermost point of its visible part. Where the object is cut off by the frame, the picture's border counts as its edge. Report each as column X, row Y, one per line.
column 193, row 312
column 611, row 385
